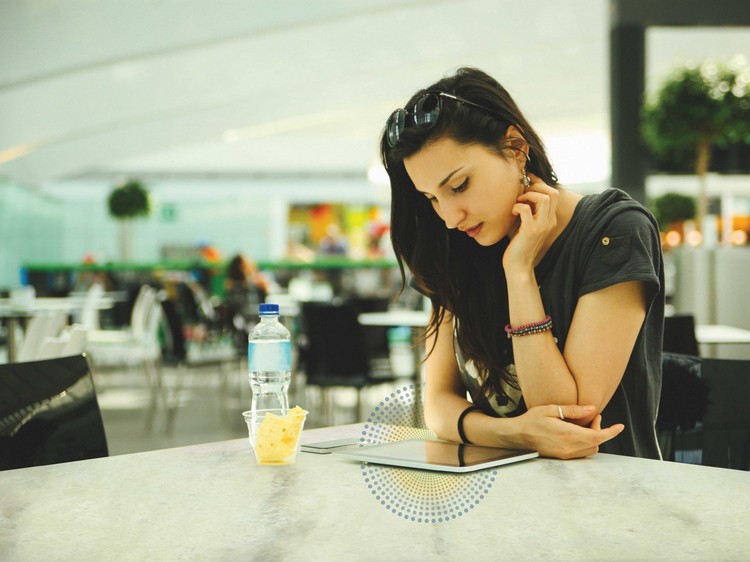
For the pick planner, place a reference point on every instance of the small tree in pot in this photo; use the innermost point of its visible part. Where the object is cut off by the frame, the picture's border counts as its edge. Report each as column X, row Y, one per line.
column 672, row 208
column 127, row 201
column 696, row 109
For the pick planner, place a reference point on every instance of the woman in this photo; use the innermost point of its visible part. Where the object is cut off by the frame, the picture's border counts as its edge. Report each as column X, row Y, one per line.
column 246, row 289
column 493, row 240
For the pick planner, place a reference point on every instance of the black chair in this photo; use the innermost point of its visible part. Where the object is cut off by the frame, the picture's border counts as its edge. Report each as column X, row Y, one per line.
column 725, row 435
column 376, row 337
column 679, row 335
column 336, row 353
column 704, row 413
column 49, row 413
column 683, row 401
column 175, row 354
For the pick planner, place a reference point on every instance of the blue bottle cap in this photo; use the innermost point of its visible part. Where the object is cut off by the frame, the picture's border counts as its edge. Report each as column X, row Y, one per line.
column 269, row 309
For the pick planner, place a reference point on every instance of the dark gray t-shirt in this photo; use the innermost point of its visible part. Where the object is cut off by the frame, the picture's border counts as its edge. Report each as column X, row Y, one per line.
column 610, row 239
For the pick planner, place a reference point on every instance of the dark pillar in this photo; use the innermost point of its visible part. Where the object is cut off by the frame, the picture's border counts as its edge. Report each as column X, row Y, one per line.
column 627, row 85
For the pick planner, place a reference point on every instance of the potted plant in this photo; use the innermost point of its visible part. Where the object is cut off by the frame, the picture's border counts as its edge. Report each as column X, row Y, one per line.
column 697, row 109
column 672, row 208
column 127, row 201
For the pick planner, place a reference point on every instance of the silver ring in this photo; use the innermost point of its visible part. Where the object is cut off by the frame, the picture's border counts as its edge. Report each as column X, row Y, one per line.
column 559, row 411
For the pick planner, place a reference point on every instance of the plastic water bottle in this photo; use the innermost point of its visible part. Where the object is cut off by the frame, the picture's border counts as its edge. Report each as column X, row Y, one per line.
column 269, row 359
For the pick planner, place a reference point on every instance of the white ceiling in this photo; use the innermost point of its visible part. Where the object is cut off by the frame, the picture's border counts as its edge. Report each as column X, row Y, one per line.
column 247, row 86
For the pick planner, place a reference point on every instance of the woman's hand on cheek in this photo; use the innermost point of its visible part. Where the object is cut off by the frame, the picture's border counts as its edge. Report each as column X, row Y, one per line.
column 537, row 210
column 544, row 431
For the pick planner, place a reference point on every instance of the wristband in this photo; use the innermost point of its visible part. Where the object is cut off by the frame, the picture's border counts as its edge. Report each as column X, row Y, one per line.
column 461, row 433
column 527, row 329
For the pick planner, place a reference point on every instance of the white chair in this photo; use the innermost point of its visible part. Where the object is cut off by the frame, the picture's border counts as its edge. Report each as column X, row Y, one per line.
column 135, row 345
column 51, row 348
column 40, row 327
column 72, row 341
column 134, row 332
column 90, row 312
column 77, row 339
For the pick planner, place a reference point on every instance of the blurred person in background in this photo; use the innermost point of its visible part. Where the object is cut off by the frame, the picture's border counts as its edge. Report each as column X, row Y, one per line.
column 333, row 243
column 246, row 288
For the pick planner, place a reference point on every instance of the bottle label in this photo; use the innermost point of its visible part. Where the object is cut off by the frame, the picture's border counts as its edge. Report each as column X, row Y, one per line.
column 265, row 356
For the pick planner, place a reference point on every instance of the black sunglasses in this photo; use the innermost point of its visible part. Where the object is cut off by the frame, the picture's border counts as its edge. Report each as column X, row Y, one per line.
column 424, row 114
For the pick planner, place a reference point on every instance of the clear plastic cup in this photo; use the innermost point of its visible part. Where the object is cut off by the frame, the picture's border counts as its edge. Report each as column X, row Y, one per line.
column 274, row 434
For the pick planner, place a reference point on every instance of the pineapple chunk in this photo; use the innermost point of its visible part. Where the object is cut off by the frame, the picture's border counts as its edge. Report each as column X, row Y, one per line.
column 278, row 436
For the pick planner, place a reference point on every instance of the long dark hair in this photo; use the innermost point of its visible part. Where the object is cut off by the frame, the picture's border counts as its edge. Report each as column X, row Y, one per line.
column 455, row 272
column 236, row 271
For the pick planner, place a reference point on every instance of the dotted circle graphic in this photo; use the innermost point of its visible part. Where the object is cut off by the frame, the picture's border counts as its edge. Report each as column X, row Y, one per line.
column 419, row 496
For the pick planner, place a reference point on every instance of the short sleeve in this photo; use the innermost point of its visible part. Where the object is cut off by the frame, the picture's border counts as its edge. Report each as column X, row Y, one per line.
column 627, row 248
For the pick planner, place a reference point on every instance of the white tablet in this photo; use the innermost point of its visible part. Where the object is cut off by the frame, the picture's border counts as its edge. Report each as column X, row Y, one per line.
column 327, row 447
column 443, row 456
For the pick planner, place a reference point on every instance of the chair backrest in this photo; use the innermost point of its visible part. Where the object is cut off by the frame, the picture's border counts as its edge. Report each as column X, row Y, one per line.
column 75, row 343
column 684, row 394
column 206, row 308
column 71, row 341
column 152, row 318
column 679, row 335
column 40, row 327
column 726, row 425
column 90, row 311
column 376, row 337
column 174, row 349
column 49, row 413
column 336, row 343
column 51, row 348
column 141, row 310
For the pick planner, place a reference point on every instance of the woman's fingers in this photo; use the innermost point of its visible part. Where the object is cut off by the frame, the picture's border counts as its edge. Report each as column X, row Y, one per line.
column 536, row 209
column 537, row 195
column 539, row 199
column 582, row 442
column 537, row 185
column 524, row 211
column 534, row 180
column 542, row 205
column 595, row 436
column 610, row 432
column 577, row 454
column 563, row 438
column 575, row 412
column 543, row 199
column 572, row 411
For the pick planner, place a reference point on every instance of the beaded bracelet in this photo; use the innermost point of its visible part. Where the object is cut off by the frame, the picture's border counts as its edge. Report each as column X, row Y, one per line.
column 534, row 328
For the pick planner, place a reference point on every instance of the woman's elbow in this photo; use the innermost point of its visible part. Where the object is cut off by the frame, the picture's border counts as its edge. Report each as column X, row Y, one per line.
column 432, row 420
column 436, row 422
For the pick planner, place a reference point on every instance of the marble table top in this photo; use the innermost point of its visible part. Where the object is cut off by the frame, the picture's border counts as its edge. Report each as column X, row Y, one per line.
column 212, row 502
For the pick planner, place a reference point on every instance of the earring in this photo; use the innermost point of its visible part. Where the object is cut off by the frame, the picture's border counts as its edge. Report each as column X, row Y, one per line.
column 525, row 181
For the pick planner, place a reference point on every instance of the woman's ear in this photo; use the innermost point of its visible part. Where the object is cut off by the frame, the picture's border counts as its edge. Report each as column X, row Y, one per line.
column 514, row 140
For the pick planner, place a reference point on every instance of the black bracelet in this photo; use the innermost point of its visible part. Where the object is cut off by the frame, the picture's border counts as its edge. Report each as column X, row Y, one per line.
column 461, row 461
column 461, row 433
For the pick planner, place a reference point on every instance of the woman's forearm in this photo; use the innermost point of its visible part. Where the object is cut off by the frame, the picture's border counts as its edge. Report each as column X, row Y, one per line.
column 443, row 411
column 540, row 429
column 542, row 372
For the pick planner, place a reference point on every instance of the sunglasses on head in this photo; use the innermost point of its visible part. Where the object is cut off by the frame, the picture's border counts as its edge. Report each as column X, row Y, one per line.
column 424, row 114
